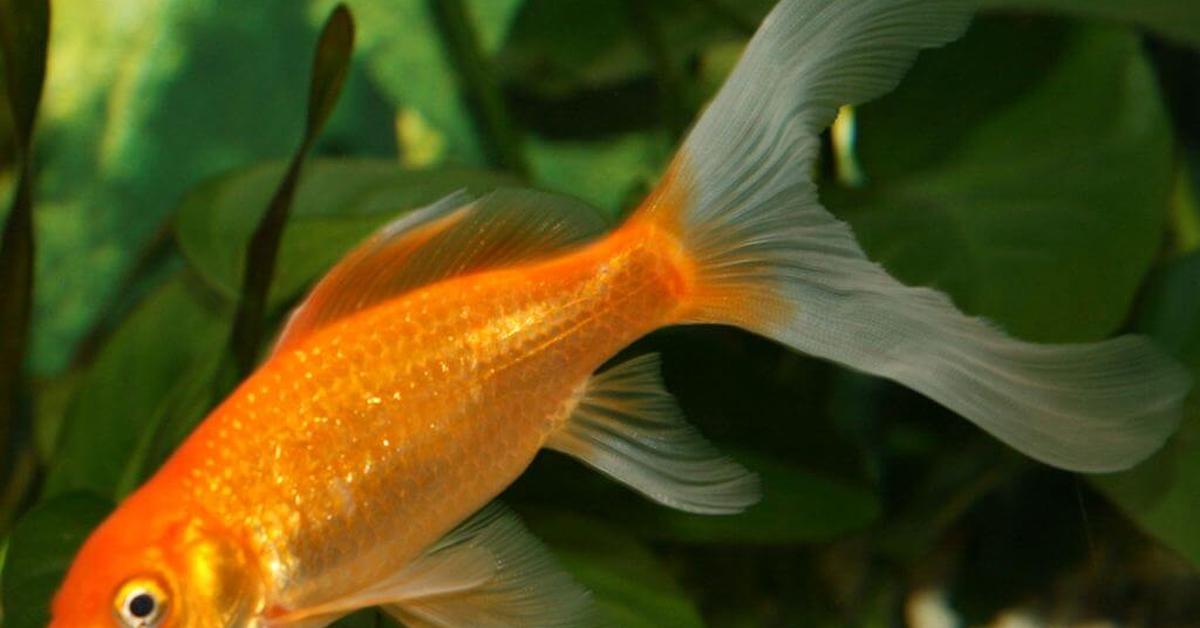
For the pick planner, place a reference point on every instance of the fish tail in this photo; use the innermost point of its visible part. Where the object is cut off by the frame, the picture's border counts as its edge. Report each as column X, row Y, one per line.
column 766, row 256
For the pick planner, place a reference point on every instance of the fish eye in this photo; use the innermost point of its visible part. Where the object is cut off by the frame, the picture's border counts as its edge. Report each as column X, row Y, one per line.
column 141, row 603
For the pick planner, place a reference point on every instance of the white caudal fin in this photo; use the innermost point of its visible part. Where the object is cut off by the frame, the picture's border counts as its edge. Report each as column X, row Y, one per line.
column 769, row 258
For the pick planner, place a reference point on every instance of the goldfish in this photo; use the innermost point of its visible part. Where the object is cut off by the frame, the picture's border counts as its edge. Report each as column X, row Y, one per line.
column 359, row 464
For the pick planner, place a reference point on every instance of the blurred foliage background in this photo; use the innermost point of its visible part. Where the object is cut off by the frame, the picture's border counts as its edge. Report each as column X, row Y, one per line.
column 1043, row 171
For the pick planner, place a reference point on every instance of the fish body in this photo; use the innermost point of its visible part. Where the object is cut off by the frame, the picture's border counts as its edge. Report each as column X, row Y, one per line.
column 341, row 459
column 356, row 467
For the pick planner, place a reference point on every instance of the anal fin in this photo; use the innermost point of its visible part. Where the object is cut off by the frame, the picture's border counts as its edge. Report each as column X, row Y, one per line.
column 629, row 427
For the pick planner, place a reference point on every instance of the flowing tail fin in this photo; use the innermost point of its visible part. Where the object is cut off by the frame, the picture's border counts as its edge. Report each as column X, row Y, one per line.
column 770, row 259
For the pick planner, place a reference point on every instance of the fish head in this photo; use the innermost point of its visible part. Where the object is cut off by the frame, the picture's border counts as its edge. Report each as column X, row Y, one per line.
column 152, row 567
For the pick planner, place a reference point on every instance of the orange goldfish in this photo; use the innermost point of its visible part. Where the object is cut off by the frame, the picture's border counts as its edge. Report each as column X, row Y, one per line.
column 356, row 467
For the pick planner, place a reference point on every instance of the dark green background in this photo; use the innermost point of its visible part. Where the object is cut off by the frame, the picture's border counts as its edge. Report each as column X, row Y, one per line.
column 1042, row 171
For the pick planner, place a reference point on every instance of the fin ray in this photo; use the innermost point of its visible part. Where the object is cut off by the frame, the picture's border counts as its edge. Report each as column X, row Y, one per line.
column 488, row 571
column 771, row 259
column 629, row 427
column 454, row 236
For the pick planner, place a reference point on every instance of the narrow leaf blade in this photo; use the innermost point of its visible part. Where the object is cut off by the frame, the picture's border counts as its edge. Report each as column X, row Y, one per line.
column 328, row 74
column 330, row 66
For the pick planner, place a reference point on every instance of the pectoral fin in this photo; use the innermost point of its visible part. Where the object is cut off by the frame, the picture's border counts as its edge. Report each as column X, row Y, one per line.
column 489, row 571
column 629, row 427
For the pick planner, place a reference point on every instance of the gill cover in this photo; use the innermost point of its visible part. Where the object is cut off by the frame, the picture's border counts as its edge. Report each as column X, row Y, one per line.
column 153, row 563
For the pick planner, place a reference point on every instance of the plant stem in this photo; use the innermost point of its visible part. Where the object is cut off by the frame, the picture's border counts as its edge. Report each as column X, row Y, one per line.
column 501, row 140
column 670, row 81
column 16, row 279
column 24, row 31
column 331, row 63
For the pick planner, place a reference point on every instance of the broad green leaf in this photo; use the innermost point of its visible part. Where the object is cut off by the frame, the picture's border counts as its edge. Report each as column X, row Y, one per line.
column 797, row 507
column 558, row 47
column 1175, row 19
column 120, row 397
column 53, row 400
column 143, row 101
column 40, row 550
column 338, row 202
column 611, row 174
column 400, row 44
column 1171, row 314
column 1163, row 493
column 183, row 405
column 1185, row 208
column 630, row 586
column 1033, row 187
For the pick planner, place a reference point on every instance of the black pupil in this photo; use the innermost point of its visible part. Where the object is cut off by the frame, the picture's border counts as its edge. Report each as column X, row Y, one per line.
column 141, row 606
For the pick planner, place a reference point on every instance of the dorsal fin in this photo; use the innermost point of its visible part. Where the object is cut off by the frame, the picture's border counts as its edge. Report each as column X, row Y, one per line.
column 454, row 236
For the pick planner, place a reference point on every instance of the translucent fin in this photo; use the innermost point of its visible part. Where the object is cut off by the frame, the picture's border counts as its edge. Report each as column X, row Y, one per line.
column 629, row 427
column 489, row 571
column 454, row 236
column 770, row 259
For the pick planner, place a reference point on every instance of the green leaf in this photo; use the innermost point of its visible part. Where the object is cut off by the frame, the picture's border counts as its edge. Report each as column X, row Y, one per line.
column 145, row 101
column 120, row 398
column 1171, row 314
column 41, row 549
column 205, row 384
column 53, row 400
column 559, row 46
column 797, row 507
column 611, row 174
column 562, row 46
column 16, row 284
column 1032, row 188
column 404, row 53
column 24, row 27
column 630, row 585
column 1185, row 210
column 337, row 204
column 1176, row 19
column 24, row 30
column 493, row 125
column 330, row 65
column 1163, row 493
